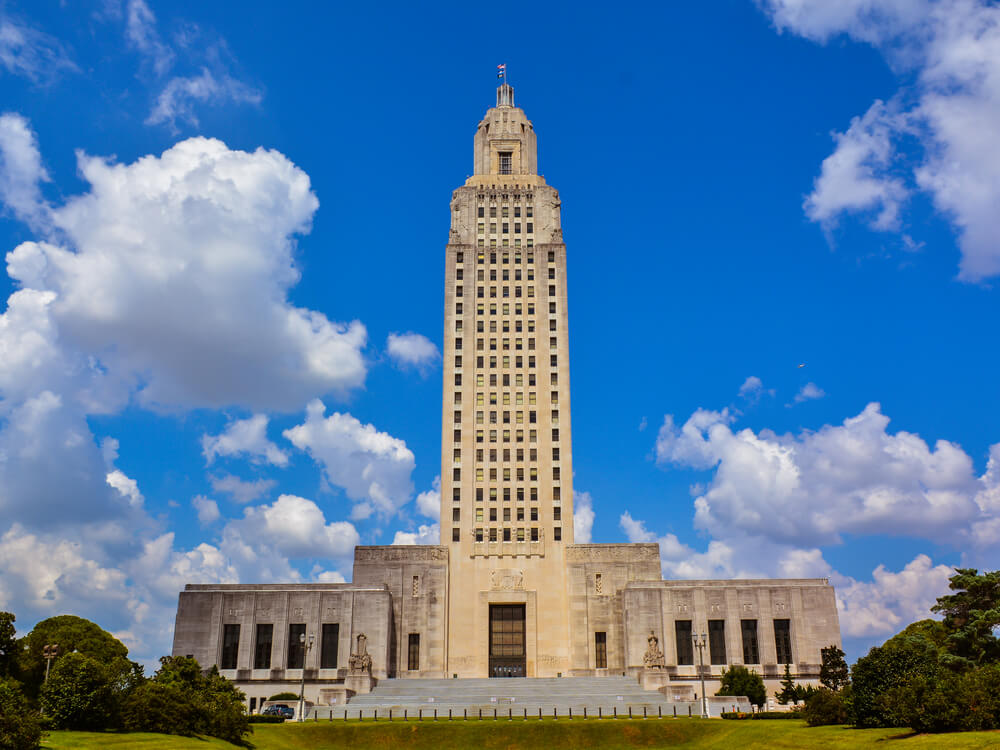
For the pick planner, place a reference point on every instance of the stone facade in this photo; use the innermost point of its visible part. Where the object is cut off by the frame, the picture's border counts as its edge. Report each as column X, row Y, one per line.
column 507, row 592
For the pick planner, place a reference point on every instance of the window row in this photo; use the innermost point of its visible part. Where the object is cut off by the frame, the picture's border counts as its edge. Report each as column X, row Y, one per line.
column 504, row 274
column 528, row 211
column 518, row 493
column 504, row 226
column 505, row 360
column 508, row 474
column 518, row 514
column 518, row 380
column 717, row 641
column 504, row 258
column 508, row 535
column 507, row 455
column 519, row 325
column 507, row 397
column 529, row 242
column 518, row 436
column 263, row 646
column 504, row 292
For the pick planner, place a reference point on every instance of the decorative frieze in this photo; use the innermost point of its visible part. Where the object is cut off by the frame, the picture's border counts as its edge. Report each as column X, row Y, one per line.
column 400, row 553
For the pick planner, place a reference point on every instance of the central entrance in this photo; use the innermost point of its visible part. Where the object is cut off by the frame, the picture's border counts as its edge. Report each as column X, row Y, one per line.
column 507, row 651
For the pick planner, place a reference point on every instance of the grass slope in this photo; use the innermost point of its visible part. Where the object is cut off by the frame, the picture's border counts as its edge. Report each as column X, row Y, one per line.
column 687, row 734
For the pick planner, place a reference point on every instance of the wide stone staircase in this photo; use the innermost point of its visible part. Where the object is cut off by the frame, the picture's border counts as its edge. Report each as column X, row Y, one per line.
column 516, row 697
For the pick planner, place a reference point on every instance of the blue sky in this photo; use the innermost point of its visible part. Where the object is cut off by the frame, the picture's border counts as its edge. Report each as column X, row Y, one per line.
column 225, row 249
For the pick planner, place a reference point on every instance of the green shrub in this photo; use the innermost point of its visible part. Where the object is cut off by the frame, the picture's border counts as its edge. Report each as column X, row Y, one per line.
column 825, row 707
column 738, row 680
column 20, row 728
column 155, row 707
column 286, row 696
column 78, row 694
column 762, row 715
column 268, row 719
column 877, row 677
column 949, row 702
column 181, row 699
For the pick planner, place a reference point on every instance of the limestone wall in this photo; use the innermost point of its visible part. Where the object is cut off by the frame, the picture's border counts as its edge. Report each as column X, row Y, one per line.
column 597, row 575
column 203, row 611
column 417, row 578
column 808, row 604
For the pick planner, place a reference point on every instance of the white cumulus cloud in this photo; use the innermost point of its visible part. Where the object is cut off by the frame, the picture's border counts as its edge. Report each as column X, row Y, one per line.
column 207, row 509
column 429, row 501
column 21, row 170
column 240, row 490
column 425, row 534
column 809, row 392
column 412, row 350
column 296, row 528
column 583, row 517
column 891, row 601
column 373, row 467
column 810, row 489
column 244, row 437
column 173, row 254
column 950, row 49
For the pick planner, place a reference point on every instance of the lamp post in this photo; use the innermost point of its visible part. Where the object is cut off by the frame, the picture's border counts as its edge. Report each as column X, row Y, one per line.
column 302, row 686
column 699, row 643
column 49, row 652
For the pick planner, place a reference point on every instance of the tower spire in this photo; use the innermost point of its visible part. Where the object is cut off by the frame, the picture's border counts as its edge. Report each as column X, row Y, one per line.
column 505, row 95
column 505, row 92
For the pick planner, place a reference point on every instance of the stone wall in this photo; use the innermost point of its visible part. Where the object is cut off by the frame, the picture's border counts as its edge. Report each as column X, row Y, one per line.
column 596, row 575
column 203, row 611
column 417, row 578
column 655, row 606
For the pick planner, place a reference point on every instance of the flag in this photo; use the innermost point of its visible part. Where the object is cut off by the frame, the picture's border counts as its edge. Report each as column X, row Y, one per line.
column 501, row 70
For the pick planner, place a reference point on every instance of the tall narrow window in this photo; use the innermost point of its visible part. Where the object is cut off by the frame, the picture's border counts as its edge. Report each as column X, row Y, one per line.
column 415, row 587
column 505, row 162
column 413, row 657
column 330, row 645
column 296, row 649
column 783, row 640
column 751, row 655
column 685, row 647
column 601, row 650
column 262, row 646
column 230, row 646
column 717, row 641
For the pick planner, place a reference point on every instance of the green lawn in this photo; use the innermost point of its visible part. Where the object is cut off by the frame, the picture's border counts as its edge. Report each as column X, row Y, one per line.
column 689, row 734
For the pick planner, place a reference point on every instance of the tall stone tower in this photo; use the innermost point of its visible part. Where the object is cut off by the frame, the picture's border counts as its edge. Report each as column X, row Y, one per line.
column 507, row 593
column 506, row 457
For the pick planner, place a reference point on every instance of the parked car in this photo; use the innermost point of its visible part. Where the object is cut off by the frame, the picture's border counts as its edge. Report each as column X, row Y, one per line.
column 287, row 711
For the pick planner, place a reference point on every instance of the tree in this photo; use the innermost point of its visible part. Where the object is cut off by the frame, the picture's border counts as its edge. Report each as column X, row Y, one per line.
column 948, row 701
column 181, row 699
column 825, row 706
column 78, row 694
column 971, row 617
column 787, row 692
column 158, row 707
column 20, row 728
column 8, row 645
column 902, row 658
column 738, row 680
column 71, row 633
column 833, row 673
